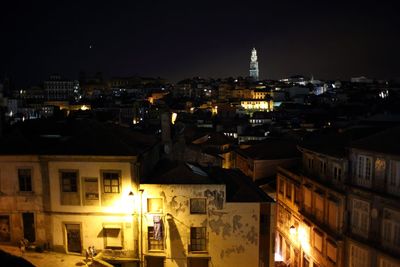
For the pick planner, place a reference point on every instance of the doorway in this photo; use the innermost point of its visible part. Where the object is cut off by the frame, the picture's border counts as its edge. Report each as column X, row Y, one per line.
column 28, row 221
column 74, row 243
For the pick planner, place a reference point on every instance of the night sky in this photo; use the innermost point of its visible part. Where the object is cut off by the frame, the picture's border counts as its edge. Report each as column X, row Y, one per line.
column 180, row 39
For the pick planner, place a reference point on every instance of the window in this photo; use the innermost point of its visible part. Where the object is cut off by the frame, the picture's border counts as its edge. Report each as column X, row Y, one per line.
column 318, row 240
column 387, row 263
column 25, row 180
column 198, row 238
column 307, row 198
column 358, row 257
column 154, row 205
column 111, row 182
column 155, row 238
column 360, row 217
column 69, row 181
column 319, row 205
column 331, row 251
column 197, row 206
column 394, row 177
column 364, row 170
column 391, row 227
column 288, row 190
column 287, row 252
column 112, row 236
column 296, row 194
column 333, row 214
column 197, row 262
column 281, row 186
column 337, row 173
column 5, row 230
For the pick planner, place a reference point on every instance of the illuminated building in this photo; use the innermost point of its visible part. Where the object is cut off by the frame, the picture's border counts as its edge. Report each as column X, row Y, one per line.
column 340, row 207
column 197, row 218
column 57, row 88
column 66, row 186
column 254, row 65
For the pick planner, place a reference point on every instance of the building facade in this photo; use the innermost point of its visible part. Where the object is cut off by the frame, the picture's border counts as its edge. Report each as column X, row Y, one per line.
column 340, row 207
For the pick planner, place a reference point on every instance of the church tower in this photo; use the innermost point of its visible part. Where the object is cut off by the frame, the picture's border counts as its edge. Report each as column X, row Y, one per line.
column 254, row 65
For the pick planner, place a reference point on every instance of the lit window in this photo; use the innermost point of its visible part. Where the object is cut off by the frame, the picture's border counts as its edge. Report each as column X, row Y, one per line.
column 331, row 251
column 25, row 180
column 318, row 237
column 111, row 182
column 154, row 205
column 198, row 238
column 333, row 212
column 69, row 181
column 197, row 205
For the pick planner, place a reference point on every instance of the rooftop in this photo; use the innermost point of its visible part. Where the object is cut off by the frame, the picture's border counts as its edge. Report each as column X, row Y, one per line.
column 73, row 137
column 270, row 149
column 383, row 142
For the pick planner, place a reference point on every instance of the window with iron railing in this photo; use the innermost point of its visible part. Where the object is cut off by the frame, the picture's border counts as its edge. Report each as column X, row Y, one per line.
column 155, row 241
column 198, row 238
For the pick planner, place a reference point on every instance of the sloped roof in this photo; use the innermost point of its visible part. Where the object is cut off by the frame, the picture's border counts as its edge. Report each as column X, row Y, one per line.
column 387, row 142
column 335, row 143
column 239, row 188
column 270, row 149
column 73, row 137
column 173, row 172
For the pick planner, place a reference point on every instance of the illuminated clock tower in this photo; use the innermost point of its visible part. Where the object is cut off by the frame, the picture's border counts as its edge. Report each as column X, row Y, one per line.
column 254, row 65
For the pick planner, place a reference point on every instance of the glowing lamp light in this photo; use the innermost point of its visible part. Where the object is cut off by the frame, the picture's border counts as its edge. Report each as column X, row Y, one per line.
column 292, row 230
column 173, row 117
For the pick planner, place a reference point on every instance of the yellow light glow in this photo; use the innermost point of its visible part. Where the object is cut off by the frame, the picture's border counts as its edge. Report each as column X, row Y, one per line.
column 304, row 238
column 84, row 107
column 173, row 117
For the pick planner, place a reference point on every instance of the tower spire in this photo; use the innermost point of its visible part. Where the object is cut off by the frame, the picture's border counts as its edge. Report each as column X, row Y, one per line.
column 254, row 65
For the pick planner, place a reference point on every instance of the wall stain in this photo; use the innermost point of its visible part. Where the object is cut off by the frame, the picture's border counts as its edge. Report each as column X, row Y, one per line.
column 252, row 236
column 235, row 249
column 236, row 222
column 215, row 197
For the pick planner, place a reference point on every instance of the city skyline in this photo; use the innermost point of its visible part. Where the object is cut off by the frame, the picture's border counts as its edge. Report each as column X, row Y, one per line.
column 177, row 41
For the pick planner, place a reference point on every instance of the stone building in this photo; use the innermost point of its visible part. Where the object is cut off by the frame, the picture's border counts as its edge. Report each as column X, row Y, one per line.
column 196, row 218
column 339, row 208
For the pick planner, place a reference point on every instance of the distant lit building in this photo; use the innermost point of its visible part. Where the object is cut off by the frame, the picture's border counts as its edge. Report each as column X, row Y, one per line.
column 57, row 88
column 254, row 65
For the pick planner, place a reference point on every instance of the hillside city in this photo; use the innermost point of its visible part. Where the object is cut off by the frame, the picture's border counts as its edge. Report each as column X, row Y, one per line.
column 236, row 171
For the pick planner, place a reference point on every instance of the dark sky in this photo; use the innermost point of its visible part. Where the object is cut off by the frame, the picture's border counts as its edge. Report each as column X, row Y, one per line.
column 179, row 39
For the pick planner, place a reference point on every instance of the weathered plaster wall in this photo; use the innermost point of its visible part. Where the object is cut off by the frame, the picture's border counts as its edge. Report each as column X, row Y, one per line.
column 14, row 203
column 232, row 228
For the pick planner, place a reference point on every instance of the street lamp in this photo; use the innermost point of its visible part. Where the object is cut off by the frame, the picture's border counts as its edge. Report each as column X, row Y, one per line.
column 292, row 230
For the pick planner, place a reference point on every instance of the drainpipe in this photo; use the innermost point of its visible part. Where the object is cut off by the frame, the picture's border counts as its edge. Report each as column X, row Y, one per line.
column 141, row 228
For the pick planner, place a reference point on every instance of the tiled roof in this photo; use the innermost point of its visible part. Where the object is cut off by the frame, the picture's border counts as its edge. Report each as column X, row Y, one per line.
column 73, row 137
column 387, row 142
column 270, row 149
